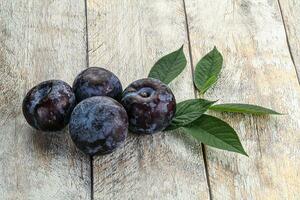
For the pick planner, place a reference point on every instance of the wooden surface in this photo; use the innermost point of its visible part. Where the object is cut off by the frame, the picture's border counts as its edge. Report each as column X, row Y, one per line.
column 39, row 40
column 148, row 167
column 43, row 39
column 257, row 69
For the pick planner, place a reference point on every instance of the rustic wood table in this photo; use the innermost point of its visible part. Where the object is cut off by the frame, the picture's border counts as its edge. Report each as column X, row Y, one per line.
column 56, row 39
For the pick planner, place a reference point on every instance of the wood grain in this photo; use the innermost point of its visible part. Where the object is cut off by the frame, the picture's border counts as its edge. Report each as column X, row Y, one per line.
column 257, row 69
column 291, row 18
column 127, row 37
column 39, row 40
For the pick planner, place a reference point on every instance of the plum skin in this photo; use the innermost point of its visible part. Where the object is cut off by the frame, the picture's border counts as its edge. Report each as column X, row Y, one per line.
column 150, row 105
column 96, row 81
column 48, row 105
column 98, row 125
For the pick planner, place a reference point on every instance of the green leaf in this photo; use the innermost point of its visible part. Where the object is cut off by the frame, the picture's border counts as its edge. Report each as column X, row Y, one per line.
column 188, row 111
column 207, row 70
column 169, row 67
column 216, row 133
column 243, row 108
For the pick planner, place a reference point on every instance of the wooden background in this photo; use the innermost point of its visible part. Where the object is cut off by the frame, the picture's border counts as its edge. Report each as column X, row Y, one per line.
column 56, row 39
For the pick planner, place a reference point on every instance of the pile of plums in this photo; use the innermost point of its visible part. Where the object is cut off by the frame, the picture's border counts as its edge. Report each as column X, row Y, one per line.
column 98, row 111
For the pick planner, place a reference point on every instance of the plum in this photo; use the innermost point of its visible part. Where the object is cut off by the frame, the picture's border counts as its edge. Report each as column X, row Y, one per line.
column 150, row 105
column 96, row 81
column 98, row 125
column 48, row 105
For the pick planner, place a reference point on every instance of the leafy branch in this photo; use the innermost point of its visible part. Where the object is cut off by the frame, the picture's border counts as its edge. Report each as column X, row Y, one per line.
column 190, row 114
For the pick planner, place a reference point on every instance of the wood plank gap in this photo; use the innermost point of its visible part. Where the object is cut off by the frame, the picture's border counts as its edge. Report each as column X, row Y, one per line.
column 195, row 93
column 86, row 34
column 287, row 40
column 92, row 177
column 206, row 170
column 189, row 43
column 87, row 66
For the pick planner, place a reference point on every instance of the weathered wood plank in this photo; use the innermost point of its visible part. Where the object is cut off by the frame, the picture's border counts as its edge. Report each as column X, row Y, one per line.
column 127, row 37
column 39, row 40
column 257, row 69
column 290, row 10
